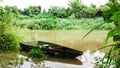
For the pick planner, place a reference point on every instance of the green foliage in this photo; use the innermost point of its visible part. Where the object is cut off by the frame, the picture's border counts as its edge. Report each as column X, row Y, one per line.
column 64, row 24
column 37, row 53
column 32, row 10
column 45, row 24
column 9, row 39
column 49, row 24
column 13, row 9
column 111, row 15
column 59, row 12
column 113, row 33
column 101, row 9
column 22, row 17
column 111, row 59
column 82, row 11
column 75, row 8
column 74, row 3
column 88, row 12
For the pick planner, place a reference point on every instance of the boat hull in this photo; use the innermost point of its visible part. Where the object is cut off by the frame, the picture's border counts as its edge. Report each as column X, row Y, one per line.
column 63, row 52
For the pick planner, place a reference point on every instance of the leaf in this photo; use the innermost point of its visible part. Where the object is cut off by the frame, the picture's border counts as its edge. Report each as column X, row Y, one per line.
column 116, row 16
column 93, row 29
column 113, row 1
column 103, row 60
column 115, row 48
column 112, row 14
column 115, row 31
column 109, row 55
column 108, row 12
column 106, row 46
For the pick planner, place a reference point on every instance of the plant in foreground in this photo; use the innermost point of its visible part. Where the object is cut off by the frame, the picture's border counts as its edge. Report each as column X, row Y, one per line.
column 37, row 53
column 111, row 15
column 9, row 38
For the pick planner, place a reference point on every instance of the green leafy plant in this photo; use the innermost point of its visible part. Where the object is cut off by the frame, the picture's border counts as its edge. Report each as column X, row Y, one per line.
column 37, row 53
column 9, row 38
column 112, row 15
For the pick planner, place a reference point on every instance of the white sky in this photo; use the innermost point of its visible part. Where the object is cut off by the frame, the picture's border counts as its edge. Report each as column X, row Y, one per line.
column 45, row 4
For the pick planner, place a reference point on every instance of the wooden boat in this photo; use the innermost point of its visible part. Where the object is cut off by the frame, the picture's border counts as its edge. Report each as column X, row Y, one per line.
column 52, row 49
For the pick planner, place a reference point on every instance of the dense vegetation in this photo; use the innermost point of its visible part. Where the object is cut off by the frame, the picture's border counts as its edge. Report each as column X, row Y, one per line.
column 113, row 56
column 76, row 16
column 9, row 38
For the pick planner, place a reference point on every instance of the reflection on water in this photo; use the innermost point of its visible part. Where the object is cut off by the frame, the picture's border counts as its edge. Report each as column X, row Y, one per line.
column 74, row 61
column 6, row 57
column 87, row 59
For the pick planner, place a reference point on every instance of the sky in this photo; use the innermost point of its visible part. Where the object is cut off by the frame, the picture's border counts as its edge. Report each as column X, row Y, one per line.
column 45, row 4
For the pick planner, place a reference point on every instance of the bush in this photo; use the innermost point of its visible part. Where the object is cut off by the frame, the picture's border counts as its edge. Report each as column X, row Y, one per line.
column 62, row 24
column 88, row 12
column 9, row 39
column 45, row 24
column 112, row 16
column 107, row 26
column 21, row 17
column 37, row 53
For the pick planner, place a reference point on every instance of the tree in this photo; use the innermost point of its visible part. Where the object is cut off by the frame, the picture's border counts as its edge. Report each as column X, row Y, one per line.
column 76, row 7
column 32, row 10
column 74, row 3
column 59, row 12
column 101, row 9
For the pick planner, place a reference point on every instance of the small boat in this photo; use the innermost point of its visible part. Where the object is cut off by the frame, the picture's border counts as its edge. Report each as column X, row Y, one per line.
column 51, row 49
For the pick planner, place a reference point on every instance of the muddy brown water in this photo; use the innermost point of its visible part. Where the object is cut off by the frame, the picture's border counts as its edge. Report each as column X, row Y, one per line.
column 69, row 38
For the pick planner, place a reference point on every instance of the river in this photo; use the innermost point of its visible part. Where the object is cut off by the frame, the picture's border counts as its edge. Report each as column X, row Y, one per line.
column 68, row 38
